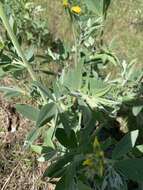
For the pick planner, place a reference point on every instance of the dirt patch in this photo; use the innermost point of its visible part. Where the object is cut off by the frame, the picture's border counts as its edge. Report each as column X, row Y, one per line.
column 19, row 169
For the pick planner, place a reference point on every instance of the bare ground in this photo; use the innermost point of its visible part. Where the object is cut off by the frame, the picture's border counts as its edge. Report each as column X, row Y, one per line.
column 19, row 169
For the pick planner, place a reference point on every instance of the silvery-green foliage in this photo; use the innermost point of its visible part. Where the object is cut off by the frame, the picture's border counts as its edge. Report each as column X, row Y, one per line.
column 79, row 116
column 90, row 30
column 113, row 180
column 27, row 21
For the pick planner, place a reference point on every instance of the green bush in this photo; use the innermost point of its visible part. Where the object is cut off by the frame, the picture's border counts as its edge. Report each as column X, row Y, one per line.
column 27, row 20
column 90, row 120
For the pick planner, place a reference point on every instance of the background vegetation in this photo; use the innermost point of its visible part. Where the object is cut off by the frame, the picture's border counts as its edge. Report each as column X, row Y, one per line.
column 124, row 26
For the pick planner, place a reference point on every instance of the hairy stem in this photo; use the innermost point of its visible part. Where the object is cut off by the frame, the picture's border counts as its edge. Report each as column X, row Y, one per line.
column 75, row 43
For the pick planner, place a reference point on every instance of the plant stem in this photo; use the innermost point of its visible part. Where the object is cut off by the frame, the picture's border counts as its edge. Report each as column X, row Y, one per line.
column 75, row 43
column 15, row 42
column 17, row 46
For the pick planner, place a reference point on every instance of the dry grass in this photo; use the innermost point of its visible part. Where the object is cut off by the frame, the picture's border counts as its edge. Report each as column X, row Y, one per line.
column 19, row 169
column 57, row 19
column 124, row 27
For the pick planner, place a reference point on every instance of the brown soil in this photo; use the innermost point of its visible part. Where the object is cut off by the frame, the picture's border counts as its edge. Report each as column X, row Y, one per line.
column 19, row 169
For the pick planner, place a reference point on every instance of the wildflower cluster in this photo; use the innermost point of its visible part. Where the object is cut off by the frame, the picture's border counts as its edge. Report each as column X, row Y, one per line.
column 73, row 9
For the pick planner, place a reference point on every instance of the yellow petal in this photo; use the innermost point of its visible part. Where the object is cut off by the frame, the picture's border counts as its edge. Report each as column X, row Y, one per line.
column 88, row 162
column 76, row 9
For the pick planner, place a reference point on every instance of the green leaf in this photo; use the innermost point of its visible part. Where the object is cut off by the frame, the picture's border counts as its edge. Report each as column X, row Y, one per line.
column 99, row 7
column 140, row 148
column 66, row 122
column 37, row 149
column 70, row 173
column 11, row 92
column 136, row 110
column 46, row 114
column 65, row 140
column 32, row 136
column 4, row 59
column 54, row 169
column 125, row 144
column 60, row 185
column 48, row 153
column 107, row 143
column 82, row 186
column 131, row 168
column 98, row 88
column 45, row 90
column 48, row 137
column 67, row 182
column 2, row 73
column 69, row 177
column 85, row 110
column 106, row 4
column 30, row 54
column 28, row 111
column 72, row 78
column 95, row 6
column 58, row 89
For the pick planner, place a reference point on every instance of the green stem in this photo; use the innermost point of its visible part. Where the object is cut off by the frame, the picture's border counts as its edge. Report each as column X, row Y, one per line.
column 17, row 46
column 75, row 43
column 15, row 42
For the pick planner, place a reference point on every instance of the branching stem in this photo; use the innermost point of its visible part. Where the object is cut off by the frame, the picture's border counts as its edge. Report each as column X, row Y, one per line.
column 17, row 46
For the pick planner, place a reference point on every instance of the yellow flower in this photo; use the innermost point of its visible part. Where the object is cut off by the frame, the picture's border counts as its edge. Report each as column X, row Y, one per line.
column 88, row 162
column 65, row 3
column 76, row 9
